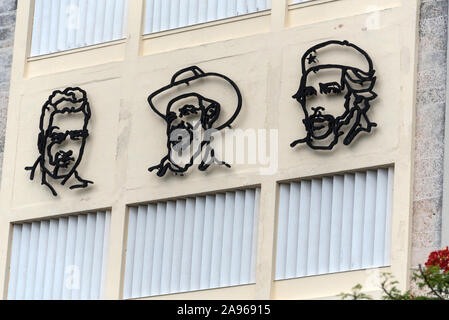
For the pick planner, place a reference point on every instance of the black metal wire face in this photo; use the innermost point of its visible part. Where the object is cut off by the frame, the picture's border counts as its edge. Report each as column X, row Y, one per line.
column 353, row 85
column 178, row 114
column 55, row 159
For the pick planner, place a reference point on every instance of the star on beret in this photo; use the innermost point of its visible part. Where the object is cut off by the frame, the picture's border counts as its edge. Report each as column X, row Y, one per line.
column 312, row 59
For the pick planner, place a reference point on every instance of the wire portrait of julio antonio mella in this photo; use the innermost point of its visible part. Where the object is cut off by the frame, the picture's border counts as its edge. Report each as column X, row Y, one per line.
column 62, row 138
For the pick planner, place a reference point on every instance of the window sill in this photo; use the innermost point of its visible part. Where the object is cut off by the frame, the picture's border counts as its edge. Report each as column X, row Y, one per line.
column 206, row 24
column 208, row 32
column 328, row 286
column 238, row 292
column 317, row 11
column 76, row 50
column 308, row 3
column 102, row 53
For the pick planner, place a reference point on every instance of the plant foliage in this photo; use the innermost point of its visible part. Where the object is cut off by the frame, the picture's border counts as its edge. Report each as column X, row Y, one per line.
column 432, row 280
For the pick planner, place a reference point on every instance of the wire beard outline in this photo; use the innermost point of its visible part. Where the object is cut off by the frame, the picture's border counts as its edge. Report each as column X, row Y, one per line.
column 337, row 123
column 206, row 122
column 361, row 103
column 44, row 136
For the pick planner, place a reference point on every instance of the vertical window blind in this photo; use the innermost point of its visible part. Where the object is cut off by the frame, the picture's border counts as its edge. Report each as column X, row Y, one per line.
column 163, row 15
column 60, row 25
column 334, row 224
column 63, row 258
column 191, row 244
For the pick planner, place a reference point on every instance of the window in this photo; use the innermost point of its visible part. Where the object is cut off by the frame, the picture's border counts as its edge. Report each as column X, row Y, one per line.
column 197, row 243
column 334, row 224
column 62, row 258
column 60, row 25
column 163, row 15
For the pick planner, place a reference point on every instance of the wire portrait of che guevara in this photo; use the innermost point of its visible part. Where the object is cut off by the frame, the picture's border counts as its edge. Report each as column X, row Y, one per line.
column 194, row 105
column 335, row 93
column 62, row 138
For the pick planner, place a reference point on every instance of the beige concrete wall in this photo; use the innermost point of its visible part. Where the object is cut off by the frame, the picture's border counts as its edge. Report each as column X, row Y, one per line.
column 261, row 54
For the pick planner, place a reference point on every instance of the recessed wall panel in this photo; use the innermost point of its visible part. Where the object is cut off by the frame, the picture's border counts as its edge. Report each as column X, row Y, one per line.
column 334, row 224
column 60, row 259
column 192, row 244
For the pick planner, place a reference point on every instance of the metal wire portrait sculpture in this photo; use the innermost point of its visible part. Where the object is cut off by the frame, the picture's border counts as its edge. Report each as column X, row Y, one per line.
column 328, row 76
column 62, row 138
column 192, row 116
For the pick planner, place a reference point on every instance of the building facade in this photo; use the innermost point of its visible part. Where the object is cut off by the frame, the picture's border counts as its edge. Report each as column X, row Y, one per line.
column 112, row 187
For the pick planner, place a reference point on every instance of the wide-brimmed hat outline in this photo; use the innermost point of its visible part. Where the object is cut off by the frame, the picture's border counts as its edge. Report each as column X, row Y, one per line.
column 197, row 75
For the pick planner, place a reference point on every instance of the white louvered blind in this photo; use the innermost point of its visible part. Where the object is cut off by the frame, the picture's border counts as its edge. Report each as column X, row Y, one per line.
column 334, row 224
column 163, row 15
column 192, row 244
column 62, row 258
column 60, row 25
